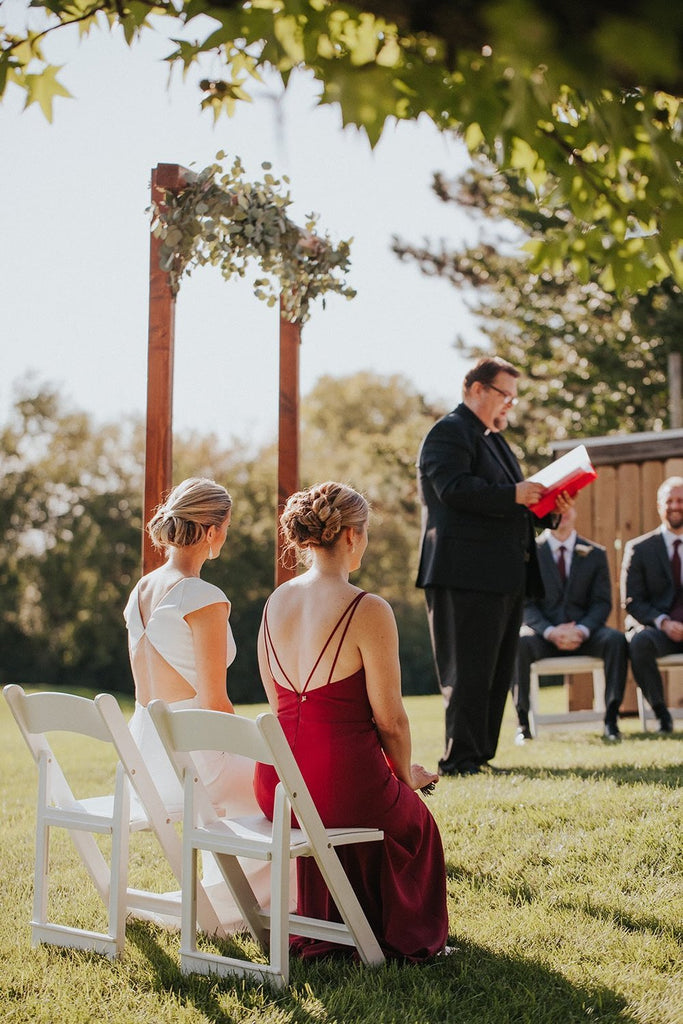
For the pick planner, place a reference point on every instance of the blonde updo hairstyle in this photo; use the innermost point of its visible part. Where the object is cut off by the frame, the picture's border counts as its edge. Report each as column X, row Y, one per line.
column 188, row 512
column 315, row 518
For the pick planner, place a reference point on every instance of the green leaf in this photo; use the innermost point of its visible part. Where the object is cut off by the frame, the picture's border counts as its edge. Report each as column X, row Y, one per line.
column 43, row 88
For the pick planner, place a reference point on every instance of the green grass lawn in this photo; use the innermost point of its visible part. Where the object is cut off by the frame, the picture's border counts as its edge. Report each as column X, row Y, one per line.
column 565, row 889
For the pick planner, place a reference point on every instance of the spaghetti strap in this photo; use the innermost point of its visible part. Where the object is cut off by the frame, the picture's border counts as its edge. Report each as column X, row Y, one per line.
column 269, row 645
column 350, row 612
column 347, row 614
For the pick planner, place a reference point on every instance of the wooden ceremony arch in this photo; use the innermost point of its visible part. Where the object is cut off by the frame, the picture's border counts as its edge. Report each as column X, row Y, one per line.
column 160, row 351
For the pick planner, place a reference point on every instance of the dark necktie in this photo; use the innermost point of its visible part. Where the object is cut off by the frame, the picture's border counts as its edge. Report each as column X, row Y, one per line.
column 562, row 565
column 677, row 607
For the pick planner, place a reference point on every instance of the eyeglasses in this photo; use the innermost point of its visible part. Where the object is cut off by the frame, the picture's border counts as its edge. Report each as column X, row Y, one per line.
column 509, row 399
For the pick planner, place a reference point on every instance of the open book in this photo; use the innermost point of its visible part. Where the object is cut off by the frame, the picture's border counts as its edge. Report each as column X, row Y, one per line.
column 569, row 473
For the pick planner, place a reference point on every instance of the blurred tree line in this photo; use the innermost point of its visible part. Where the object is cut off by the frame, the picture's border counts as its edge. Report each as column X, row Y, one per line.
column 70, row 516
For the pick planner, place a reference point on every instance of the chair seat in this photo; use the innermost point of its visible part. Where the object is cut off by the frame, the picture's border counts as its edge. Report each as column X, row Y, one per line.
column 98, row 812
column 252, row 836
column 565, row 665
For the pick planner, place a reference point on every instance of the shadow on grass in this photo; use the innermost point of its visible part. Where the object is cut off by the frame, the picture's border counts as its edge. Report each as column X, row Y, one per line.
column 471, row 986
column 520, row 892
column 670, row 776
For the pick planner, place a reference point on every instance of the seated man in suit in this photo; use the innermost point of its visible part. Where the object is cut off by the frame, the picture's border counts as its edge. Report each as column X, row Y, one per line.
column 652, row 594
column 570, row 619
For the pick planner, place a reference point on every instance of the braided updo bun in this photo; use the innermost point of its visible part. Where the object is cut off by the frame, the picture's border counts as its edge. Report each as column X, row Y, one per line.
column 317, row 516
column 189, row 510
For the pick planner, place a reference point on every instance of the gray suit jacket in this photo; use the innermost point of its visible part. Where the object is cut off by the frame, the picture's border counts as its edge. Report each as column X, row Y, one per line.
column 586, row 599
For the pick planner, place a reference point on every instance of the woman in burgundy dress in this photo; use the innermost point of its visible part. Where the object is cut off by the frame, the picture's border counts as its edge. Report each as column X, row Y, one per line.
column 328, row 656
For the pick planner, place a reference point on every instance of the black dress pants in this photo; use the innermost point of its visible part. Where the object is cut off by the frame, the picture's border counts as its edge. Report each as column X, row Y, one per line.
column 645, row 646
column 474, row 637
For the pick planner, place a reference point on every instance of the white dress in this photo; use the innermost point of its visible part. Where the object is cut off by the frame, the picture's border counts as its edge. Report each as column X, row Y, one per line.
column 228, row 778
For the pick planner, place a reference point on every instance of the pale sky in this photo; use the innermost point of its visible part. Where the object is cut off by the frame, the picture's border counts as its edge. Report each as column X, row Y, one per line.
column 74, row 243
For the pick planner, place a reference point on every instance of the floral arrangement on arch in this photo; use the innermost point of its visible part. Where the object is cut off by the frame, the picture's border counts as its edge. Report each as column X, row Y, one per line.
column 221, row 219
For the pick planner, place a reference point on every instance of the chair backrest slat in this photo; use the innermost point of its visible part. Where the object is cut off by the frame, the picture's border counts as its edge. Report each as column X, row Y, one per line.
column 56, row 712
column 198, row 729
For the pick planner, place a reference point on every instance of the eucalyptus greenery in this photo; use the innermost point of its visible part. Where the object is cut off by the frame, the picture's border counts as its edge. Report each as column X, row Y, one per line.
column 221, row 219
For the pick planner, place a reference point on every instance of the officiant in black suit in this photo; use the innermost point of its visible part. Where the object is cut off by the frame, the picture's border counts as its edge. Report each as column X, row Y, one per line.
column 652, row 594
column 570, row 619
column 477, row 560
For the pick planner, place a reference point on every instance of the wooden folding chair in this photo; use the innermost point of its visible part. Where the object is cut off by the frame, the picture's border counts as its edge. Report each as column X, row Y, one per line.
column 255, row 837
column 38, row 714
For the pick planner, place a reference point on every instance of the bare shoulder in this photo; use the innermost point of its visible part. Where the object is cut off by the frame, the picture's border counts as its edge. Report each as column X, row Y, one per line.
column 374, row 602
column 374, row 612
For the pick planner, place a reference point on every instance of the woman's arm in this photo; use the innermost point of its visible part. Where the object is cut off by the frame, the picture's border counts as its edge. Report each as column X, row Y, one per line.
column 209, row 627
column 378, row 644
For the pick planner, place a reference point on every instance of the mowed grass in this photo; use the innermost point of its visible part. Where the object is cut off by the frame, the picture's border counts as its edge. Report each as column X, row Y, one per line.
column 565, row 889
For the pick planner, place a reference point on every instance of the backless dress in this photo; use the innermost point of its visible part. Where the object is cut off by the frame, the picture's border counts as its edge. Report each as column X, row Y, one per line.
column 401, row 881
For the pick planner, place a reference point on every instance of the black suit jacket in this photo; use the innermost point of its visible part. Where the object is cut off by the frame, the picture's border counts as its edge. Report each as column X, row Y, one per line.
column 647, row 583
column 474, row 534
column 585, row 599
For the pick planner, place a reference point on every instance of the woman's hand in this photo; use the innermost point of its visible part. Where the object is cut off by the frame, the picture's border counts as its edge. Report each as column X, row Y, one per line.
column 420, row 777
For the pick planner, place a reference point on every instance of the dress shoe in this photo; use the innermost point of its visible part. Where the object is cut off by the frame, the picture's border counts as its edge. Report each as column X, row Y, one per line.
column 466, row 768
column 611, row 732
column 666, row 724
column 522, row 735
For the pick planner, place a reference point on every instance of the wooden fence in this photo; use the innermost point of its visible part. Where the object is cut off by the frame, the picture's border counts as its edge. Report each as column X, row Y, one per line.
column 619, row 505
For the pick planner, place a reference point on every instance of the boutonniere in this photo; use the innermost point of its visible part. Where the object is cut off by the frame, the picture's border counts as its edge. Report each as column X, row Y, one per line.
column 583, row 549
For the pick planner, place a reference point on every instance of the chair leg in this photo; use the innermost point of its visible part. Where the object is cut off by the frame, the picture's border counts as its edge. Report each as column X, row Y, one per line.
column 599, row 686
column 279, row 887
column 40, row 876
column 120, row 847
column 533, row 700
column 188, row 909
column 642, row 710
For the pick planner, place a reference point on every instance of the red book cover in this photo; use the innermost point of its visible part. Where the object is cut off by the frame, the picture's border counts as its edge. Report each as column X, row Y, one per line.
column 570, row 473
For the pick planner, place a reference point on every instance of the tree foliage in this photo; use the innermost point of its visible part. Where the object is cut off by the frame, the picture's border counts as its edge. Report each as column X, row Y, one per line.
column 70, row 527
column 580, row 101
column 70, row 544
column 594, row 364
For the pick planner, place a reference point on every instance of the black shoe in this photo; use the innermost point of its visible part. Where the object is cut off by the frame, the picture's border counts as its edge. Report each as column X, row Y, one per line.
column 522, row 735
column 465, row 768
column 611, row 732
column 666, row 724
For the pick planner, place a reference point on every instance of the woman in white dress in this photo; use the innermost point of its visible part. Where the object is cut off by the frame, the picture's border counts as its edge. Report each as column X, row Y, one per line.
column 180, row 646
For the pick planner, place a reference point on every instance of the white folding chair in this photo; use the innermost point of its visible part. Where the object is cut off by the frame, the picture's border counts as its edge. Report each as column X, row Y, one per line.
column 667, row 663
column 561, row 666
column 160, row 822
column 255, row 837
column 38, row 714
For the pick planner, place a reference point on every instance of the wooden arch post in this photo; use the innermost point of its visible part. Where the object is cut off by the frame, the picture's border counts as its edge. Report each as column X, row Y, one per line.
column 160, row 352
column 288, row 432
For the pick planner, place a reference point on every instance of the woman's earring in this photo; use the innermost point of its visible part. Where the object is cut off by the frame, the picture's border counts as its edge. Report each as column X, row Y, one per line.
column 210, row 552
